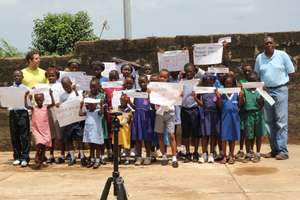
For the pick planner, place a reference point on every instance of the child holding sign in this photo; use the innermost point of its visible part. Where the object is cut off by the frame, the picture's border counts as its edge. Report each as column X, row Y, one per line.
column 19, row 127
column 141, row 128
column 254, row 120
column 93, row 131
column 230, row 119
column 211, row 123
column 40, row 125
column 165, row 118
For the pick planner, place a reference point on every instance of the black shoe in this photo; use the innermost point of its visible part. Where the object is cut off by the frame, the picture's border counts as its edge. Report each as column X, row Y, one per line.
column 83, row 162
column 72, row 162
column 90, row 164
column 68, row 157
column 59, row 160
column 51, row 160
column 175, row 164
column 188, row 158
column 219, row 157
column 96, row 165
column 195, row 157
column 102, row 162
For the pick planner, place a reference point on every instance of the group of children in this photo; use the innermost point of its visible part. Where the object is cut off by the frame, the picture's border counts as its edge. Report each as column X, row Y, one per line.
column 215, row 119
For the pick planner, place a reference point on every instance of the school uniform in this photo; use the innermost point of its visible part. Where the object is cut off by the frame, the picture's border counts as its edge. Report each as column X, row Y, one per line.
column 190, row 118
column 93, row 131
column 230, row 119
column 19, row 131
column 254, row 121
column 211, row 122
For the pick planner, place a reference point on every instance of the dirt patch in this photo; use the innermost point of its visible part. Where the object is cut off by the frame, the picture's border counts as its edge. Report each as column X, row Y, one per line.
column 255, row 171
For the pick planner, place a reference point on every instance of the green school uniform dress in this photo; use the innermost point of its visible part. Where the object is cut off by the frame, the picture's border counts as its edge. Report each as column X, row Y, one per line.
column 254, row 124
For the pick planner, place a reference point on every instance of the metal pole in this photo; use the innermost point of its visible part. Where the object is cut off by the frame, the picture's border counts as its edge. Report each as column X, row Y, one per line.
column 127, row 19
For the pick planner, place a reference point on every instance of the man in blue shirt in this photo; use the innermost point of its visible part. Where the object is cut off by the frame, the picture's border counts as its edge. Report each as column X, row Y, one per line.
column 273, row 68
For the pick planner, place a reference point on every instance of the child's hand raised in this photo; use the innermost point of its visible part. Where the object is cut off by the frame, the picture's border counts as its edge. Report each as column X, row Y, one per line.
column 218, row 94
column 194, row 94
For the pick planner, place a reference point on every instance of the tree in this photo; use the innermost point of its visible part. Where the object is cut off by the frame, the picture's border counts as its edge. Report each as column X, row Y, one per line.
column 58, row 33
column 7, row 50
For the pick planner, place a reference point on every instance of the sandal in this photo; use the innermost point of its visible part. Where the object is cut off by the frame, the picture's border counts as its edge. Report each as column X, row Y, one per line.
column 231, row 160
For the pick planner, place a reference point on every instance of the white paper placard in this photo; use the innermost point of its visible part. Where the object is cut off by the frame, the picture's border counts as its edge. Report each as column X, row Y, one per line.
column 91, row 100
column 108, row 67
column 165, row 94
column 12, row 96
column 266, row 96
column 204, row 90
column 224, row 39
column 229, row 90
column 218, row 70
column 83, row 82
column 173, row 60
column 71, row 75
column 112, row 84
column 137, row 95
column 253, row 85
column 115, row 101
column 68, row 112
column 208, row 53
column 192, row 82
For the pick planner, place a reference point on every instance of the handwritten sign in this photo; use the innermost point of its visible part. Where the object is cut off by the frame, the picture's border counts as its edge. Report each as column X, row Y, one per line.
column 253, row 85
column 12, row 96
column 218, row 70
column 173, row 60
column 165, row 94
column 266, row 96
column 112, row 84
column 204, row 90
column 68, row 112
column 229, row 90
column 208, row 53
column 42, row 89
column 137, row 95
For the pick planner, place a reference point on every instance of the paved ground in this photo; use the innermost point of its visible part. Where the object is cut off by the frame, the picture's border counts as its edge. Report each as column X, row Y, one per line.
column 268, row 179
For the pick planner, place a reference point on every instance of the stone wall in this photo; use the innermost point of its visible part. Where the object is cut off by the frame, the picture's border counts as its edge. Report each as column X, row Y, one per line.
column 242, row 50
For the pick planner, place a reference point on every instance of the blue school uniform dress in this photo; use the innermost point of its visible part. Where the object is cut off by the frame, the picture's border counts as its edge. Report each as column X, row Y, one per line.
column 211, row 122
column 141, row 128
column 230, row 119
column 93, row 131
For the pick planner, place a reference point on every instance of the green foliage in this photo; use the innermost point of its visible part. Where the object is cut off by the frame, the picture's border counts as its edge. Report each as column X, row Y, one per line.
column 58, row 33
column 7, row 50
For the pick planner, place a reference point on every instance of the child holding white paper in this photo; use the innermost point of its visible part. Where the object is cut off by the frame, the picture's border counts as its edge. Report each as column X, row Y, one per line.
column 52, row 74
column 242, row 79
column 93, row 130
column 230, row 119
column 19, row 127
column 40, row 125
column 98, row 68
column 113, row 76
column 141, row 129
column 96, row 92
column 165, row 119
column 211, row 122
column 190, row 116
column 72, row 131
column 254, row 123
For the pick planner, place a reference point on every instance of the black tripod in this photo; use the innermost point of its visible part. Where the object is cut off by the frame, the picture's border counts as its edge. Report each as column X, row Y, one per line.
column 116, row 179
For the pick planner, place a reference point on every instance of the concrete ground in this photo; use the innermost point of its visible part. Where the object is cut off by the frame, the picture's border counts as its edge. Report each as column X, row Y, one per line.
column 269, row 179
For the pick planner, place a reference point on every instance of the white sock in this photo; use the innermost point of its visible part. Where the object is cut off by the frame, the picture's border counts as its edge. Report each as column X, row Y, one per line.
column 81, row 154
column 164, row 156
column 93, row 159
column 174, row 158
column 97, row 160
column 102, row 157
column 183, row 149
column 72, row 155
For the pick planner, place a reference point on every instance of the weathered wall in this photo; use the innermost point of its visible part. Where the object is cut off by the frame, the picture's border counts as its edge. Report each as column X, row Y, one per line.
column 242, row 50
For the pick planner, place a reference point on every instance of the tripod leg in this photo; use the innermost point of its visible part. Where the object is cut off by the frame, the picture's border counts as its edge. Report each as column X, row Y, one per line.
column 121, row 192
column 106, row 189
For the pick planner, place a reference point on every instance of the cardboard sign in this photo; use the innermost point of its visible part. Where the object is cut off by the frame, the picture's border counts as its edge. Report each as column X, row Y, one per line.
column 204, row 90
column 173, row 60
column 218, row 70
column 253, row 85
column 266, row 96
column 208, row 53
column 112, row 84
column 224, row 39
column 165, row 94
column 12, row 97
column 229, row 90
column 68, row 112
column 108, row 67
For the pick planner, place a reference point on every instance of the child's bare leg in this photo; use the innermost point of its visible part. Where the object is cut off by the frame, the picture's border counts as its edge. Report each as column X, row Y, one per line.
column 52, row 148
column 248, row 146
column 138, row 147
column 148, row 148
column 173, row 143
column 196, row 145
column 242, row 140
column 231, row 148
column 258, row 144
column 92, row 150
column 224, row 143
column 161, row 143
column 204, row 144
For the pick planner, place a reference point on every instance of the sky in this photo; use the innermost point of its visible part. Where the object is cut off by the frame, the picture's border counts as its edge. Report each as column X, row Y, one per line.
column 155, row 17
